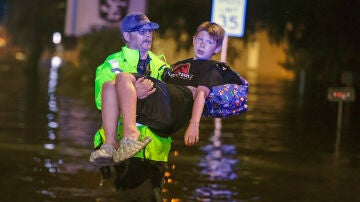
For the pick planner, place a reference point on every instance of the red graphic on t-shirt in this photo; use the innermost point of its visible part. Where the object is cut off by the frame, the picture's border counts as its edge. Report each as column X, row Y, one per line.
column 181, row 68
column 181, row 71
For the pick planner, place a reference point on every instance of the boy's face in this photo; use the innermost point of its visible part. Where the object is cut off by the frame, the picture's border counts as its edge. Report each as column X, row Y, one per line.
column 205, row 46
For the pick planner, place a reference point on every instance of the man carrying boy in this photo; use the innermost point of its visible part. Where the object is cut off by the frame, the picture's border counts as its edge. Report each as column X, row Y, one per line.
column 135, row 57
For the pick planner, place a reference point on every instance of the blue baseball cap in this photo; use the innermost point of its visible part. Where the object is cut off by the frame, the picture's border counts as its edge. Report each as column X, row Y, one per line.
column 134, row 21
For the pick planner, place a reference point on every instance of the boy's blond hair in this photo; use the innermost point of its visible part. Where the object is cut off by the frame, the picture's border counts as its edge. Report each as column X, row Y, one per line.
column 214, row 29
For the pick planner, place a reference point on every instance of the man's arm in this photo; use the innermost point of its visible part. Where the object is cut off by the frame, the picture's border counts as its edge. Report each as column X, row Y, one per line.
column 192, row 132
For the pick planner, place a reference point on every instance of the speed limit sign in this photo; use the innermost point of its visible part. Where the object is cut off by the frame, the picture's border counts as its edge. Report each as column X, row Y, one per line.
column 230, row 14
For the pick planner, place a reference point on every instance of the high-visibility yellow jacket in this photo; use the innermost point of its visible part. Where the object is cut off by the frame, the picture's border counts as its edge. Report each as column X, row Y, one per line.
column 126, row 61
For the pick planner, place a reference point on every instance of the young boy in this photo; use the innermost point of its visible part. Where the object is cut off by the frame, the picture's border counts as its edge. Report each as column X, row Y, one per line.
column 178, row 102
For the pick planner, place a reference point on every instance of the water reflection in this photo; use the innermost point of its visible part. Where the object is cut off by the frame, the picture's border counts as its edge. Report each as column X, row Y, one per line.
column 53, row 109
column 46, row 138
column 218, row 164
column 53, row 166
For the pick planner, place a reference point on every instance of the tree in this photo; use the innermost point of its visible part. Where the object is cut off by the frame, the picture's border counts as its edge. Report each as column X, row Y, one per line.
column 30, row 25
column 321, row 35
column 179, row 19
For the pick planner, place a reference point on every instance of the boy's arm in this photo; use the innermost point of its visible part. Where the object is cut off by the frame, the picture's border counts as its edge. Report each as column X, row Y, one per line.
column 192, row 132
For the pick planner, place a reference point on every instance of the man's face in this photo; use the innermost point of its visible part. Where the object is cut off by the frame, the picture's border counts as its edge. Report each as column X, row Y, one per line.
column 141, row 39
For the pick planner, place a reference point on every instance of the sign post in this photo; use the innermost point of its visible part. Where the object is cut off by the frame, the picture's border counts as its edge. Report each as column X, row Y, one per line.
column 230, row 14
column 340, row 95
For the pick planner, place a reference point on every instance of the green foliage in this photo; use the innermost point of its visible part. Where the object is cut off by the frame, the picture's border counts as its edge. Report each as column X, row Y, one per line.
column 30, row 25
column 179, row 17
column 321, row 35
column 29, row 20
column 95, row 47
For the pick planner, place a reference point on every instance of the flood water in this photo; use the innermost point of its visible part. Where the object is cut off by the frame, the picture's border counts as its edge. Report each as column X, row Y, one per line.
column 284, row 149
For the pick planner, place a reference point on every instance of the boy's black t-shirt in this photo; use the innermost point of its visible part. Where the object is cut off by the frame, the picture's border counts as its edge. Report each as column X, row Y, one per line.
column 192, row 72
column 195, row 73
column 170, row 107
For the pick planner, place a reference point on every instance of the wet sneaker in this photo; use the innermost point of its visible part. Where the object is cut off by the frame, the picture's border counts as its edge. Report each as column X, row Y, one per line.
column 129, row 147
column 102, row 156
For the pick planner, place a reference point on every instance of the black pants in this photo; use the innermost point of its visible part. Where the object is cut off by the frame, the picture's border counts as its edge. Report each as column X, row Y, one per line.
column 166, row 110
column 140, row 180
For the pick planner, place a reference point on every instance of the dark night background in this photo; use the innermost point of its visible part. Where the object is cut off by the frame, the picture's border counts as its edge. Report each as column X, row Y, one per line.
column 282, row 149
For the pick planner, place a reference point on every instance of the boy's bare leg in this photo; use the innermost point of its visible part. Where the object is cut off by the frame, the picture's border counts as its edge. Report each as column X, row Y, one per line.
column 127, row 99
column 110, row 117
column 110, row 113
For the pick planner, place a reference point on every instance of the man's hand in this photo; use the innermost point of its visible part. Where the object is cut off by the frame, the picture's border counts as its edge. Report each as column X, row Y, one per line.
column 144, row 87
